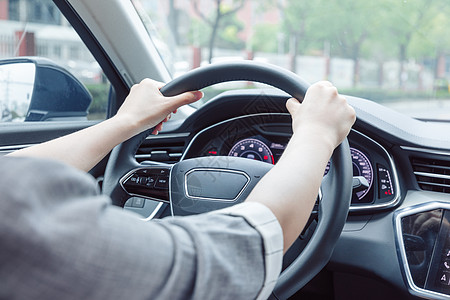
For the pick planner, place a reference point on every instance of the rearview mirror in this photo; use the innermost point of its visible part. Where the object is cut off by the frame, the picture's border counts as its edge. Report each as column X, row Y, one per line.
column 37, row 89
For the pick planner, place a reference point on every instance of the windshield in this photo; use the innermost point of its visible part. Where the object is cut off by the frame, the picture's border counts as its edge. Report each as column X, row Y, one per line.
column 395, row 52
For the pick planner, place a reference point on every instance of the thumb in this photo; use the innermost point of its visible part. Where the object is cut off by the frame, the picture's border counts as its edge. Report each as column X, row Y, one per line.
column 292, row 105
column 184, row 98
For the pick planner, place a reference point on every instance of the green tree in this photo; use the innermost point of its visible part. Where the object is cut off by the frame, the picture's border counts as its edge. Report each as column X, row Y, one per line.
column 409, row 21
column 301, row 18
column 431, row 42
column 228, row 36
column 348, row 25
column 215, row 22
column 265, row 37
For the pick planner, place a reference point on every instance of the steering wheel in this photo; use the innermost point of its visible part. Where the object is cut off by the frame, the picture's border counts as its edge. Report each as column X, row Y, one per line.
column 190, row 186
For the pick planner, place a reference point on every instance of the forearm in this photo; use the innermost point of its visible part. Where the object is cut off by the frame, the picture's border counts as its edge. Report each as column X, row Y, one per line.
column 144, row 108
column 85, row 148
column 291, row 200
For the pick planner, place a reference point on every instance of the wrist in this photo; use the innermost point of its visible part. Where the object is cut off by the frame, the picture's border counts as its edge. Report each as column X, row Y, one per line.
column 307, row 137
column 123, row 128
column 126, row 125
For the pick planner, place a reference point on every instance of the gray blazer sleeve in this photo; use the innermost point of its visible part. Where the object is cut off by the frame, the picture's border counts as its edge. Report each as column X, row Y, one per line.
column 61, row 239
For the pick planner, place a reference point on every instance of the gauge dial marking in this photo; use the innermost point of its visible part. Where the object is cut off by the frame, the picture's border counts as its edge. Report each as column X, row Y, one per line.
column 361, row 167
column 252, row 149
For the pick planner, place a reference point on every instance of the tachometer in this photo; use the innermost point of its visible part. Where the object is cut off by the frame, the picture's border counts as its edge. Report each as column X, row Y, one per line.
column 252, row 149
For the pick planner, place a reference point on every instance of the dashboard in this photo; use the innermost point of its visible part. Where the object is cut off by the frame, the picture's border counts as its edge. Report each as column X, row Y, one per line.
column 401, row 180
column 264, row 137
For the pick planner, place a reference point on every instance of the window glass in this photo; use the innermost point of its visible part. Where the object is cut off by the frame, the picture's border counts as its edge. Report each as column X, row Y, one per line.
column 30, row 28
column 394, row 52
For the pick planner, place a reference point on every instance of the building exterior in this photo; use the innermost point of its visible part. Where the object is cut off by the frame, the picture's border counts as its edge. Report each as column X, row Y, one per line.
column 37, row 28
column 42, row 11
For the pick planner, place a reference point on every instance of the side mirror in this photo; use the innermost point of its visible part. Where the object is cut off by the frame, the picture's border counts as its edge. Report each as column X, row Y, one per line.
column 37, row 89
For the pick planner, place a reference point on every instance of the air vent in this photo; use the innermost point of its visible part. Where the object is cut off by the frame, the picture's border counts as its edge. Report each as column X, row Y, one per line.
column 161, row 149
column 432, row 174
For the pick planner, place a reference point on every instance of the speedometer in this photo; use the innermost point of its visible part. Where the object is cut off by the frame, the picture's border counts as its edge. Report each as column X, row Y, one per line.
column 252, row 149
column 361, row 167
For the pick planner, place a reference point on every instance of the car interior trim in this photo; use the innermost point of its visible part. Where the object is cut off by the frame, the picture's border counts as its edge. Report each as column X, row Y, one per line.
column 428, row 151
column 170, row 194
column 397, row 192
column 441, row 176
column 168, row 136
column 408, row 211
column 153, row 214
column 14, row 148
column 391, row 122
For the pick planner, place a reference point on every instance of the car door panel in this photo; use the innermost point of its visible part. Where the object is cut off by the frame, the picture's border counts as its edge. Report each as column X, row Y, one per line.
column 14, row 136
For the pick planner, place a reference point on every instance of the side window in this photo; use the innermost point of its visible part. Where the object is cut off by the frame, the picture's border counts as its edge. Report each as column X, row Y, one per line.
column 46, row 72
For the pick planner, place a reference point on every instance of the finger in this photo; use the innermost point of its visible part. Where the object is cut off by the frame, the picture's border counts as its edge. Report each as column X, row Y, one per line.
column 185, row 98
column 159, row 84
column 325, row 83
column 157, row 128
column 151, row 82
column 292, row 105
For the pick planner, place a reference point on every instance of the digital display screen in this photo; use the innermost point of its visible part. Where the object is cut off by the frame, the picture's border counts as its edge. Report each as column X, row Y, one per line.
column 277, row 146
column 277, row 149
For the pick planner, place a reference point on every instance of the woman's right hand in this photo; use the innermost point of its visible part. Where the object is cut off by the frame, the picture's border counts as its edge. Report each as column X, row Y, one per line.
column 324, row 114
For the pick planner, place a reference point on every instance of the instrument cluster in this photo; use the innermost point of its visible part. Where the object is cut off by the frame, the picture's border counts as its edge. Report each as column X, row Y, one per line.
column 264, row 138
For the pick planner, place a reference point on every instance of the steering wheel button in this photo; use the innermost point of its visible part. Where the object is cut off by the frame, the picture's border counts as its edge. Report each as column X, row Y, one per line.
column 162, row 182
column 150, row 182
column 160, row 172
column 132, row 181
column 142, row 180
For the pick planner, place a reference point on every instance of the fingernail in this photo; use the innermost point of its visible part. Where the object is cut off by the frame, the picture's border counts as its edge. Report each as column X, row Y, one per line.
column 198, row 95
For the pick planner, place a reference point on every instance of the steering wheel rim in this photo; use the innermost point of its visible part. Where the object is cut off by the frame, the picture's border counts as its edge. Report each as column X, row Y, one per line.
column 336, row 186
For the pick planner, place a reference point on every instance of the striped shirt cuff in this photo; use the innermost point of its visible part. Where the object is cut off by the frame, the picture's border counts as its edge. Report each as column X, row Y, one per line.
column 264, row 221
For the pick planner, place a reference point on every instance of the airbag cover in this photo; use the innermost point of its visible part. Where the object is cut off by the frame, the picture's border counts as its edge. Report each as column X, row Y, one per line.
column 204, row 184
column 214, row 184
